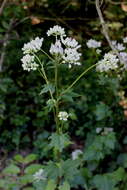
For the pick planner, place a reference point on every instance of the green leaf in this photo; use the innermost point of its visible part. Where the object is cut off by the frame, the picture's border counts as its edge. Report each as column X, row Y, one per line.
column 2, row 183
column 65, row 186
column 68, row 96
column 102, row 111
column 59, row 141
column 28, row 188
column 51, row 185
column 30, row 158
column 19, row 158
column 125, row 140
column 103, row 182
column 70, row 168
column 32, row 168
column 12, row 169
column 24, row 180
column 47, row 88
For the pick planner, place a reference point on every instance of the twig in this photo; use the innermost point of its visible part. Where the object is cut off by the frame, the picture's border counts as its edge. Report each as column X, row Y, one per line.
column 2, row 6
column 5, row 42
column 105, row 31
column 116, row 3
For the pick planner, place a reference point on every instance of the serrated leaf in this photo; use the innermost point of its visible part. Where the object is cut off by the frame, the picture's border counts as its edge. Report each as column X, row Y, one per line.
column 59, row 141
column 32, row 168
column 19, row 158
column 12, row 169
column 30, row 158
column 51, row 185
column 47, row 88
column 103, row 182
column 26, row 179
column 65, row 186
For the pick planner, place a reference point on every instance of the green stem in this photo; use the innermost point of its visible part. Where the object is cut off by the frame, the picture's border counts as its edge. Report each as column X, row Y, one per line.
column 46, row 79
column 57, row 103
column 47, row 54
column 80, row 76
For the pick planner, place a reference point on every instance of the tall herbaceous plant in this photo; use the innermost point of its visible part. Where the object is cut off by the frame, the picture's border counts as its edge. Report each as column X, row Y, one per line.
column 60, row 173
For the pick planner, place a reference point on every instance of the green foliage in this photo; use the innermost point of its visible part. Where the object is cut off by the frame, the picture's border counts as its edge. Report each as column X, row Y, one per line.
column 19, row 173
column 59, row 141
column 26, row 119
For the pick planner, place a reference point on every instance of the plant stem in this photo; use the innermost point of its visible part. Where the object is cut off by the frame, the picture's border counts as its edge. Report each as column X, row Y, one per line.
column 43, row 74
column 47, row 54
column 57, row 103
column 80, row 76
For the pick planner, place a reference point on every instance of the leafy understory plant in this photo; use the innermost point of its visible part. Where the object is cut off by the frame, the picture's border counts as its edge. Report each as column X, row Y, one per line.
column 60, row 173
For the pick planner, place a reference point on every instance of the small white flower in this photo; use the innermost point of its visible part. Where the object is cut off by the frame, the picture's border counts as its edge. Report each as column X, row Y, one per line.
column 125, row 40
column 70, row 43
column 76, row 154
column 29, row 63
column 33, row 46
column 109, row 62
column 98, row 130
column 56, row 31
column 63, row 115
column 56, row 49
column 39, row 175
column 71, row 56
column 124, row 58
column 118, row 46
column 93, row 44
column 98, row 51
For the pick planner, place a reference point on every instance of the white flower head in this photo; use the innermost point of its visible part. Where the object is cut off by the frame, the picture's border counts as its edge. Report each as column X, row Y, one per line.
column 63, row 115
column 109, row 62
column 33, row 45
column 56, row 49
column 71, row 56
column 39, row 175
column 56, row 31
column 98, row 51
column 70, row 43
column 118, row 46
column 29, row 63
column 125, row 40
column 93, row 44
column 124, row 56
column 75, row 154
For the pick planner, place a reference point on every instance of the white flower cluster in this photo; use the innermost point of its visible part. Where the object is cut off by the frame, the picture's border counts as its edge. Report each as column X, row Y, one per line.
column 56, row 31
column 28, row 60
column 63, row 115
column 66, row 49
column 56, row 49
column 29, row 63
column 109, row 62
column 118, row 46
column 125, row 40
column 124, row 58
column 93, row 44
column 40, row 175
column 75, row 154
column 33, row 45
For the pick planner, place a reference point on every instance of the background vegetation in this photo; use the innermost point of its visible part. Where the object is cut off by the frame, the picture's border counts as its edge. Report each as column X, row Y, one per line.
column 25, row 121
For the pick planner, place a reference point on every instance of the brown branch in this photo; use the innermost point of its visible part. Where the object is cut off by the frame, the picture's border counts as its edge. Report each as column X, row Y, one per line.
column 2, row 6
column 105, row 31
